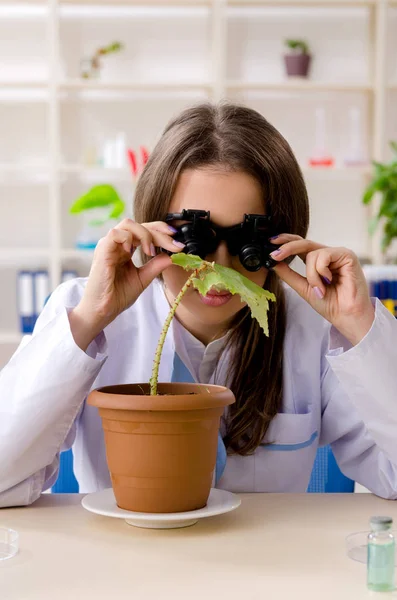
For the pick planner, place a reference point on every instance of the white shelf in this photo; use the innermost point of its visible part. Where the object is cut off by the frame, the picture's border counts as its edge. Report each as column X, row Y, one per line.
column 337, row 172
column 24, row 174
column 165, row 3
column 72, row 253
column 18, row 84
column 299, row 85
column 23, row 91
column 12, row 257
column 10, row 337
column 98, row 173
column 318, row 3
column 80, row 85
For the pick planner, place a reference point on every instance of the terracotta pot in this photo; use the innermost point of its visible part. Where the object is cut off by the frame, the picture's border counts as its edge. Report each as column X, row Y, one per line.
column 161, row 450
column 297, row 65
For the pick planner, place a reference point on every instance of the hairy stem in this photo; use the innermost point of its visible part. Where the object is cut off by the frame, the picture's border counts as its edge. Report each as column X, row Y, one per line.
column 159, row 349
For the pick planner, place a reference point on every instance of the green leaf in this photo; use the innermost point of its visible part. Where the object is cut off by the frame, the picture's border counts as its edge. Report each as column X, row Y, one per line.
column 301, row 45
column 393, row 145
column 216, row 275
column 100, row 196
column 369, row 194
column 190, row 262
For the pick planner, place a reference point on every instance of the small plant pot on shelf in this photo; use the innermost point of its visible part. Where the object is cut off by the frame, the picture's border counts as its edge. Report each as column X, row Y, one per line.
column 297, row 65
column 161, row 450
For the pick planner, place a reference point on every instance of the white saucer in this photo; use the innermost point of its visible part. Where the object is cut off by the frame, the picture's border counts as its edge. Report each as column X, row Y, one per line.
column 104, row 503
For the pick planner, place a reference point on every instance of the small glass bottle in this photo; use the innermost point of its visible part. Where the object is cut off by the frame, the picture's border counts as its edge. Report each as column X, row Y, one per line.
column 380, row 556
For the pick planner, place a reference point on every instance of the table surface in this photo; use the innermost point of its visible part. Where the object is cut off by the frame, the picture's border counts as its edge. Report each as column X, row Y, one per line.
column 274, row 546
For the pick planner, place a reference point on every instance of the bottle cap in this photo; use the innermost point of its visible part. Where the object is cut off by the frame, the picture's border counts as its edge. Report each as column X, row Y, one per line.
column 8, row 543
column 381, row 523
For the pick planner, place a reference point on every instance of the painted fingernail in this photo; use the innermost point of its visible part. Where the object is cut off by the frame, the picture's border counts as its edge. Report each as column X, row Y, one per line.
column 178, row 244
column 152, row 250
column 172, row 229
column 319, row 293
column 274, row 237
column 326, row 280
column 275, row 253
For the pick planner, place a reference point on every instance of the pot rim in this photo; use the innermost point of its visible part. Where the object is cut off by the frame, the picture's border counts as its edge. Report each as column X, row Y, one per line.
column 195, row 396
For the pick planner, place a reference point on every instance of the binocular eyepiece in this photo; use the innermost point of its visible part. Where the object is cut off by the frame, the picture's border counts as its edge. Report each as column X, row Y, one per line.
column 248, row 240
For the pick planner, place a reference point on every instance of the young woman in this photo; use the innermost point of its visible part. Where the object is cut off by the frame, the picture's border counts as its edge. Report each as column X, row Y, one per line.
column 325, row 375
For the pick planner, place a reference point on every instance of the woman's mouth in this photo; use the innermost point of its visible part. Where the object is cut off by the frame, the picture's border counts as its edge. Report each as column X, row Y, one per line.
column 215, row 297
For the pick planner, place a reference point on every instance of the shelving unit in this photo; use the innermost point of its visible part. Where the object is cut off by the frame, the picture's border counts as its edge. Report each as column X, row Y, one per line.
column 65, row 104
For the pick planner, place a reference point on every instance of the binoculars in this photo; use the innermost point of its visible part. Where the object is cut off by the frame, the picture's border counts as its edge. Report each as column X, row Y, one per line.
column 248, row 240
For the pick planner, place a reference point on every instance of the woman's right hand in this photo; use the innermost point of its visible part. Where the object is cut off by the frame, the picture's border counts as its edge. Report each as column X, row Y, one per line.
column 114, row 282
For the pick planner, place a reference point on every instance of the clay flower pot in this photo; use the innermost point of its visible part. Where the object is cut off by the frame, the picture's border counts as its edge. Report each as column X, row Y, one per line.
column 161, row 450
column 297, row 65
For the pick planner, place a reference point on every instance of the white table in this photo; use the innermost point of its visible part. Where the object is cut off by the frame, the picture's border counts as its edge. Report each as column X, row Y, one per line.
column 274, row 546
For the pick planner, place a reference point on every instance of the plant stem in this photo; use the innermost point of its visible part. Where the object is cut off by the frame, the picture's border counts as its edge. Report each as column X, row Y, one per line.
column 159, row 349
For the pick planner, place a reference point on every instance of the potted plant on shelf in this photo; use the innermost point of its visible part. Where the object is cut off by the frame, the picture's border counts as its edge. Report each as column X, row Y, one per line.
column 297, row 61
column 101, row 207
column 161, row 438
column 90, row 68
column 384, row 183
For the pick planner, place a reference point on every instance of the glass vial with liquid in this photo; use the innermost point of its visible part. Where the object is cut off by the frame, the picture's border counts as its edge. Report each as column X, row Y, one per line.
column 380, row 555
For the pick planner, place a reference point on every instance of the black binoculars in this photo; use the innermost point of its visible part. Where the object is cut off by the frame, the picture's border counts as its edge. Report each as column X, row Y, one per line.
column 248, row 240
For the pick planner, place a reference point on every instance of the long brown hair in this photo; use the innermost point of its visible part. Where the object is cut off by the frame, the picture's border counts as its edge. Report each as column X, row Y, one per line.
column 240, row 139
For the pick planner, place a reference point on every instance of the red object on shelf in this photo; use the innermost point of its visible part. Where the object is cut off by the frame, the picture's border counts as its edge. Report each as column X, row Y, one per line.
column 133, row 163
column 145, row 155
column 321, row 162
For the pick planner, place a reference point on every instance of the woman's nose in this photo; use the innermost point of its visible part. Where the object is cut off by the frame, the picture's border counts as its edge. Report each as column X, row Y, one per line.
column 221, row 255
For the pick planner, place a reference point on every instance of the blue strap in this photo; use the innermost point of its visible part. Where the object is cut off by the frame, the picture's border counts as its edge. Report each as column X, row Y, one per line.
column 181, row 374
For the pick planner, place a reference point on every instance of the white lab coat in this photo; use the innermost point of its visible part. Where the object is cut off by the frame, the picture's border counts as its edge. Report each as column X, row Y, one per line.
column 344, row 396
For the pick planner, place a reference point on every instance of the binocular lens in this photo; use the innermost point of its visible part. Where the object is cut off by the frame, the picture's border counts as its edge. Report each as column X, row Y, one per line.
column 251, row 258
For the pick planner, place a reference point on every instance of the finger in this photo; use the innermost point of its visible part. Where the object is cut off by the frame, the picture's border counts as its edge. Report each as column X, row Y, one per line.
column 283, row 238
column 322, row 266
column 160, row 226
column 313, row 276
column 162, row 240
column 153, row 268
column 293, row 279
column 140, row 235
column 299, row 248
column 120, row 238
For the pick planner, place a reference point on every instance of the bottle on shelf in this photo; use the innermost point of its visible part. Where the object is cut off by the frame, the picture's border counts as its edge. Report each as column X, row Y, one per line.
column 320, row 157
column 356, row 155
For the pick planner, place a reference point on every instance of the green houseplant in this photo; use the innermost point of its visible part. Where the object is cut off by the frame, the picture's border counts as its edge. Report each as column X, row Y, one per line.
column 100, row 206
column 298, row 58
column 384, row 183
column 91, row 67
column 161, row 438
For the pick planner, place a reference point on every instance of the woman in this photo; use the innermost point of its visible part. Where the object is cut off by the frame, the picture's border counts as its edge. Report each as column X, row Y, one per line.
column 307, row 383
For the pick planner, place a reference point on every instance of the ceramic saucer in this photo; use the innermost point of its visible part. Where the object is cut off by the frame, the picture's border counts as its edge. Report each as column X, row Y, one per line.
column 104, row 503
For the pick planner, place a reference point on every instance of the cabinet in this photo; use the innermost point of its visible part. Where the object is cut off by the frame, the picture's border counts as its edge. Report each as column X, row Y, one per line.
column 176, row 53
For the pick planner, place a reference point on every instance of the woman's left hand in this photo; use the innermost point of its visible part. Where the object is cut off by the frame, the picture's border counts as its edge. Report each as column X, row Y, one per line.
column 334, row 285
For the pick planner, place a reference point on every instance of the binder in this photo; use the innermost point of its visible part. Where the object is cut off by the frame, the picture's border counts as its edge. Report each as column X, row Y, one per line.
column 382, row 283
column 41, row 291
column 25, row 301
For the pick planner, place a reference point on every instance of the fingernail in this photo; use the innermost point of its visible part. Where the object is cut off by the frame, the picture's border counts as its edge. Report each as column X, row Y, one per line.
column 172, row 229
column 274, row 237
column 326, row 280
column 275, row 253
column 152, row 250
column 319, row 293
column 178, row 244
